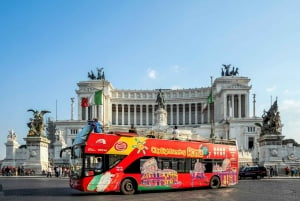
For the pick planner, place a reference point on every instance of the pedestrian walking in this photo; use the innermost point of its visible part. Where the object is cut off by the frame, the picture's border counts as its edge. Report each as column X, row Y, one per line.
column 287, row 170
column 49, row 172
column 271, row 171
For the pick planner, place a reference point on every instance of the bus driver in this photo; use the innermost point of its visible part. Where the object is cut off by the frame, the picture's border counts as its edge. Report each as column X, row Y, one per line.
column 99, row 164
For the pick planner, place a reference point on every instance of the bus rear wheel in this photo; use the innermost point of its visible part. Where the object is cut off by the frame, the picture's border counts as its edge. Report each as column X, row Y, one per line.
column 128, row 187
column 215, row 182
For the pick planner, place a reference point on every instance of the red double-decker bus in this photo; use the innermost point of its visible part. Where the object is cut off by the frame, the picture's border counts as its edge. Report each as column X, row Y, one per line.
column 133, row 163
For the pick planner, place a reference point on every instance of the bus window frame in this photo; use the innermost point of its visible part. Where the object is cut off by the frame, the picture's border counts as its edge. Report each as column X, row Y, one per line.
column 107, row 160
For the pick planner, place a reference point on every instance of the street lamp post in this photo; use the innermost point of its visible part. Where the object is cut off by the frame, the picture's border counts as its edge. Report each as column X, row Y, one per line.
column 210, row 101
column 226, row 127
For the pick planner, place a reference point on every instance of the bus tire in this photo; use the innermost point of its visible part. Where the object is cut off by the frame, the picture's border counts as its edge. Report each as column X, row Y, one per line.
column 128, row 187
column 214, row 182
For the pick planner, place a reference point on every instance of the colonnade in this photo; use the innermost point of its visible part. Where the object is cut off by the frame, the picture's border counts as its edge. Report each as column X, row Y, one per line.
column 236, row 105
column 90, row 112
column 144, row 114
column 190, row 113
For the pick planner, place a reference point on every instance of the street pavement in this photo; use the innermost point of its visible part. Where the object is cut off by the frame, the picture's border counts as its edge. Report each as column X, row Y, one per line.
column 37, row 188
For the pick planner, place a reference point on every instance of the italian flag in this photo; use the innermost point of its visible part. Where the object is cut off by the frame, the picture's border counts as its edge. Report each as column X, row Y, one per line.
column 209, row 101
column 96, row 98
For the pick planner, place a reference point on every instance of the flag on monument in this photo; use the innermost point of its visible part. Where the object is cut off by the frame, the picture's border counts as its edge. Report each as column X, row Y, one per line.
column 98, row 97
column 204, row 108
column 209, row 101
column 84, row 102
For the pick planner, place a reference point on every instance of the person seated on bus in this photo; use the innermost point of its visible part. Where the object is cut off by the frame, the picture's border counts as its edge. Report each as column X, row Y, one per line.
column 98, row 167
column 98, row 126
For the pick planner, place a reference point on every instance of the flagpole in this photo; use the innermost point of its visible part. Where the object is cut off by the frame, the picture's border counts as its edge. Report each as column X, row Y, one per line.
column 56, row 110
column 100, row 108
column 96, row 100
column 210, row 101
column 102, row 105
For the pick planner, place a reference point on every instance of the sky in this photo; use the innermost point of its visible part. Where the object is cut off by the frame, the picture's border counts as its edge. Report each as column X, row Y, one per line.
column 47, row 47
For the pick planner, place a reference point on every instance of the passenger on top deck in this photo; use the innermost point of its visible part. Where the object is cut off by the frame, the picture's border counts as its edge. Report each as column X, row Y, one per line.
column 98, row 126
column 175, row 133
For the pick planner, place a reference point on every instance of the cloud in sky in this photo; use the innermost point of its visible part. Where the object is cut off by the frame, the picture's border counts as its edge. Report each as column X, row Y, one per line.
column 151, row 73
column 290, row 105
column 271, row 89
column 176, row 68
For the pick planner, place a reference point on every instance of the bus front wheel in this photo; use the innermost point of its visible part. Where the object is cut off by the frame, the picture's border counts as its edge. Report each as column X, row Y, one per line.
column 128, row 187
column 215, row 182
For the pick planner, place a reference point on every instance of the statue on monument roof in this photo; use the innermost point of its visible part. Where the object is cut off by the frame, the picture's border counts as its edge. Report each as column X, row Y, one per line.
column 36, row 124
column 100, row 74
column 227, row 72
column 91, row 75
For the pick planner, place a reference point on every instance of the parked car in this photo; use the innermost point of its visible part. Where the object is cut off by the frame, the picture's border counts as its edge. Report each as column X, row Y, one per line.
column 253, row 172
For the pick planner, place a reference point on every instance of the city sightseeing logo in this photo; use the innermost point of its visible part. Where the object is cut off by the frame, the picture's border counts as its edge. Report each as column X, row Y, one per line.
column 121, row 146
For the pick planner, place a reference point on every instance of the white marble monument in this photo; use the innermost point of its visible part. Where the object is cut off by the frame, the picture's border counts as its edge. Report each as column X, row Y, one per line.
column 11, row 147
column 37, row 148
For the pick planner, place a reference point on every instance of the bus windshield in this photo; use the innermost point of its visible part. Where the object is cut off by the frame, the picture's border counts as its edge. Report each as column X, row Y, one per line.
column 77, row 161
column 78, row 149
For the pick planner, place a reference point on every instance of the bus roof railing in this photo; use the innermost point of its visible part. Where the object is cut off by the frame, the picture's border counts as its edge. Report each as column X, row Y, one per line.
column 127, row 134
column 228, row 142
column 204, row 140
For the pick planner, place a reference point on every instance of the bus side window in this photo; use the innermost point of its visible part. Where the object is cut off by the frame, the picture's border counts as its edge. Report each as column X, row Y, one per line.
column 217, row 163
column 181, row 164
column 174, row 165
column 159, row 164
column 114, row 160
column 134, row 167
column 166, row 164
column 188, row 165
column 208, row 165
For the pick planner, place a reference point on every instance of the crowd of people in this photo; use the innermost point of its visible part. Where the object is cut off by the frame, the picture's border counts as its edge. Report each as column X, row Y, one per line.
column 288, row 171
column 57, row 171
column 18, row 171
column 273, row 171
column 292, row 171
